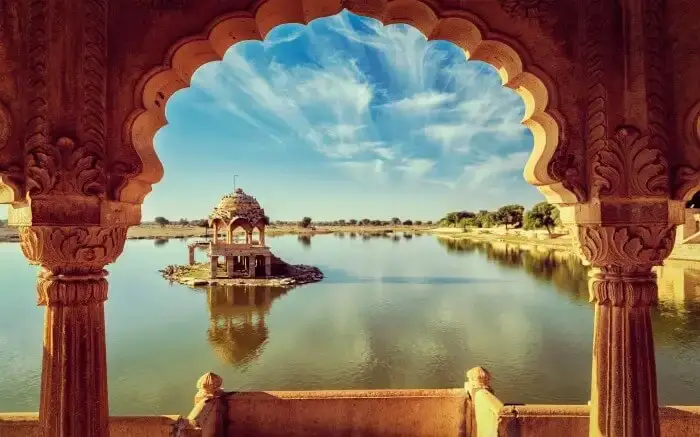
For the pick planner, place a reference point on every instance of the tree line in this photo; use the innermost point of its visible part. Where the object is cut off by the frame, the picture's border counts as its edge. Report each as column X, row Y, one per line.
column 542, row 215
column 394, row 221
column 305, row 222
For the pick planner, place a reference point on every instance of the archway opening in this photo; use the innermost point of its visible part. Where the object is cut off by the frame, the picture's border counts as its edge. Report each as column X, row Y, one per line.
column 472, row 37
column 418, row 106
column 256, row 236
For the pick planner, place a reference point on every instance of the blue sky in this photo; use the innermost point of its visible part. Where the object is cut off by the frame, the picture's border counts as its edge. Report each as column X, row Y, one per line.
column 344, row 118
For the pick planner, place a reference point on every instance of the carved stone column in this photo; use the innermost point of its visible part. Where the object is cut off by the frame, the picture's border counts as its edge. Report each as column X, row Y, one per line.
column 191, row 255
column 73, row 288
column 623, row 288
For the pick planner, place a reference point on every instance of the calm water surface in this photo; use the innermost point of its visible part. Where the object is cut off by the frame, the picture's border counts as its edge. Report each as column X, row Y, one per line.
column 391, row 313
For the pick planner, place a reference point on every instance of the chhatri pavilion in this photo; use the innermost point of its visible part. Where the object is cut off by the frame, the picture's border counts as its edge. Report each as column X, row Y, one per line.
column 247, row 256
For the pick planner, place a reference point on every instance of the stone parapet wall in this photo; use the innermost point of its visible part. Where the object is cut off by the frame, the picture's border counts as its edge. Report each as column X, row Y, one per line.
column 572, row 421
column 27, row 425
column 360, row 413
column 363, row 413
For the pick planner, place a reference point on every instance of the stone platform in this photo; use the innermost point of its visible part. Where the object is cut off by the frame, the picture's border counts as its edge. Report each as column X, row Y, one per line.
column 283, row 275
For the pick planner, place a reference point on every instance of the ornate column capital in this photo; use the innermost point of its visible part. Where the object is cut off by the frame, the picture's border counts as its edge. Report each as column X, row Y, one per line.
column 67, row 251
column 73, row 258
column 621, row 250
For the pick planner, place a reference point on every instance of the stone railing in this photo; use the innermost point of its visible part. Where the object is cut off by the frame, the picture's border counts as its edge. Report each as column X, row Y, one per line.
column 27, row 425
column 470, row 412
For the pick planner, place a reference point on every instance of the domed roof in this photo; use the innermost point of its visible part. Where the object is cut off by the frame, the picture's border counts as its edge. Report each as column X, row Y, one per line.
column 238, row 204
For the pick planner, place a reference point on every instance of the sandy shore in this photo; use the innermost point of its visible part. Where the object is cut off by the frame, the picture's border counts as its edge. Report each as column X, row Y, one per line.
column 563, row 242
column 155, row 232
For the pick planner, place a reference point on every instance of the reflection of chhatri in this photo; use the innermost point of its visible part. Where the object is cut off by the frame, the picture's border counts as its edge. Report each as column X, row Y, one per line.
column 237, row 329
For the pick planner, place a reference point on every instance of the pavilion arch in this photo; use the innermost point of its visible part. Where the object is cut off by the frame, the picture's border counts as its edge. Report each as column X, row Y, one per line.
column 235, row 224
column 464, row 29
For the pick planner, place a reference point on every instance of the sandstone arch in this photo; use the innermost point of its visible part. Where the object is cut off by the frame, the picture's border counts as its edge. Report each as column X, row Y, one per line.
column 466, row 30
column 76, row 156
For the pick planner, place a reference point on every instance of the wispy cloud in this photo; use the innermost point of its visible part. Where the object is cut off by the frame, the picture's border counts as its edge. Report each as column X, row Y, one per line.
column 424, row 101
column 492, row 169
column 374, row 102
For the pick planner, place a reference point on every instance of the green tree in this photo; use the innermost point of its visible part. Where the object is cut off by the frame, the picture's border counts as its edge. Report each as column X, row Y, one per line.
column 184, row 222
column 364, row 221
column 452, row 218
column 510, row 215
column 542, row 215
column 352, row 222
column 418, row 222
column 395, row 221
column 203, row 223
column 162, row 221
column 305, row 222
column 408, row 222
column 484, row 219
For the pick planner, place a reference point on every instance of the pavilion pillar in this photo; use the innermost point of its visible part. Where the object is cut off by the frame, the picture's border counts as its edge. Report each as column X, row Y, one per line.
column 268, row 265
column 191, row 254
column 213, row 266
column 251, row 266
column 215, row 237
column 230, row 266
column 262, row 236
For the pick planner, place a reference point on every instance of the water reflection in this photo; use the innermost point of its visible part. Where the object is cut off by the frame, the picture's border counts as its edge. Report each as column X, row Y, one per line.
column 304, row 240
column 158, row 242
column 237, row 328
column 676, row 319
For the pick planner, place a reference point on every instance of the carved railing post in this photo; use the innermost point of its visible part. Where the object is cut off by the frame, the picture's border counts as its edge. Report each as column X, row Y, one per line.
column 483, row 419
column 623, row 289
column 210, row 408
column 72, row 286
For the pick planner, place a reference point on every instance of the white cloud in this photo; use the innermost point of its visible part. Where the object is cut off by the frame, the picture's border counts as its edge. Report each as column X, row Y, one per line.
column 385, row 153
column 347, row 150
column 364, row 170
column 330, row 101
column 494, row 167
column 424, row 101
column 416, row 167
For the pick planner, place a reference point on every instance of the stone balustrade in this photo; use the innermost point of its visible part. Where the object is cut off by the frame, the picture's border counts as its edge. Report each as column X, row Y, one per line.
column 470, row 412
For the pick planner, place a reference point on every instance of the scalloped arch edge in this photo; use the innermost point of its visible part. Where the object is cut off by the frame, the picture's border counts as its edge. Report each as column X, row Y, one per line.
column 456, row 26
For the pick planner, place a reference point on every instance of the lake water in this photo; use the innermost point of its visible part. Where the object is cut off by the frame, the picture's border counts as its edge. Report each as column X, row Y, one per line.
column 391, row 313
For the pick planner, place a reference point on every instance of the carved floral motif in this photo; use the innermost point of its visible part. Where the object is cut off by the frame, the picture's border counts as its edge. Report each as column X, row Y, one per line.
column 629, row 248
column 656, row 73
column 611, row 286
column 39, row 160
column 626, row 165
column 88, row 158
column 65, row 168
column 528, row 8
column 67, row 165
column 72, row 250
